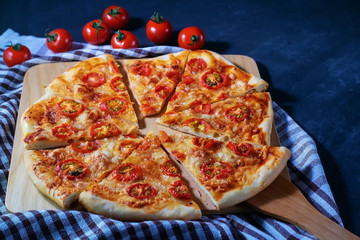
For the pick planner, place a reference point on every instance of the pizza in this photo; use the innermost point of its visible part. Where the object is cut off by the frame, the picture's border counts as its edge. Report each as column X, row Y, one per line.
column 62, row 174
column 144, row 186
column 228, row 172
column 246, row 118
column 84, row 144
column 153, row 80
column 208, row 78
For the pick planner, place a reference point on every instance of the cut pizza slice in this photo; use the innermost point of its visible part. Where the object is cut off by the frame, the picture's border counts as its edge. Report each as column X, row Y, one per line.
column 227, row 172
column 153, row 80
column 97, row 82
column 55, row 121
column 247, row 118
column 146, row 186
column 61, row 174
column 208, row 78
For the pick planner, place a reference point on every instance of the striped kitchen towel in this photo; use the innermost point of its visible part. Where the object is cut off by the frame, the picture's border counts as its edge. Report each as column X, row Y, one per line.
column 304, row 167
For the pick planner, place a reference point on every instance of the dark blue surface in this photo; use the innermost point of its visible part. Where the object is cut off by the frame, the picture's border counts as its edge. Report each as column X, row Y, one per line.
column 309, row 52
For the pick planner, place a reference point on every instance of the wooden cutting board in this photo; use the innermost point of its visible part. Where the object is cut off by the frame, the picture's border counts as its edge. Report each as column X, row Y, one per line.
column 21, row 193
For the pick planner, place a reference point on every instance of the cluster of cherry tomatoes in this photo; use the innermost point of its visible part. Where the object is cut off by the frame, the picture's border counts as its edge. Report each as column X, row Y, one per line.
column 98, row 31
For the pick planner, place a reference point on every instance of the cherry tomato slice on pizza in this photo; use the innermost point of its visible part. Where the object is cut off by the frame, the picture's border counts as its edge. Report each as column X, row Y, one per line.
column 213, row 79
column 94, row 79
column 173, row 75
column 141, row 191
column 196, row 65
column 127, row 146
column 142, row 70
column 164, row 137
column 198, row 124
column 85, row 147
column 70, row 108
column 169, row 169
column 127, row 172
column 203, row 142
column 63, row 131
column 162, row 91
column 113, row 106
column 203, row 108
column 117, row 84
column 115, row 66
column 103, row 130
column 239, row 113
column 242, row 149
column 179, row 190
column 188, row 79
column 71, row 169
column 216, row 169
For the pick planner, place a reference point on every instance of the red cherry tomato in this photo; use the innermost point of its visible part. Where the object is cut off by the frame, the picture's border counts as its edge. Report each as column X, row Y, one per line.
column 169, row 169
column 127, row 172
column 124, row 39
column 86, row 147
column 59, row 40
column 63, row 131
column 191, row 38
column 141, row 191
column 70, row 108
column 179, row 190
column 158, row 29
column 16, row 54
column 71, row 169
column 96, row 32
column 115, row 17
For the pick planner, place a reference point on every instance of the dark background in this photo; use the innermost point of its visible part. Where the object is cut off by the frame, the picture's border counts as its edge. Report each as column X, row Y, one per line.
column 309, row 52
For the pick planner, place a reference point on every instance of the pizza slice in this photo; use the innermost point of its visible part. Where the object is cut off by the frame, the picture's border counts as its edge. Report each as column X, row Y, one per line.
column 227, row 172
column 153, row 80
column 97, row 82
column 146, row 186
column 55, row 121
column 208, row 78
column 247, row 118
column 62, row 174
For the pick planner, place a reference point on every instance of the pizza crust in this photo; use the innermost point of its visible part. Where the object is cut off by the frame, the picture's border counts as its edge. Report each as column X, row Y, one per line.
column 265, row 175
column 112, row 209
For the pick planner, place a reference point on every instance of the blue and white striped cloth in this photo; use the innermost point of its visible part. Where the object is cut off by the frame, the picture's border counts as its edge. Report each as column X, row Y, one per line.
column 304, row 166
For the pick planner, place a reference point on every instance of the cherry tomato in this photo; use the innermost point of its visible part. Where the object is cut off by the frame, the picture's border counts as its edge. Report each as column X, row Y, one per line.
column 124, row 39
column 70, row 108
column 63, row 131
column 213, row 79
column 203, row 142
column 239, row 113
column 203, row 108
column 142, row 69
column 71, row 169
column 169, row 169
column 242, row 149
column 162, row 91
column 115, row 17
column 164, row 138
column 103, row 130
column 141, row 190
column 216, row 169
column 59, row 40
column 96, row 32
column 179, row 190
column 16, row 54
column 126, row 147
column 158, row 29
column 117, row 84
column 126, row 172
column 191, row 38
column 114, row 105
column 94, row 79
column 86, row 147
column 196, row 65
